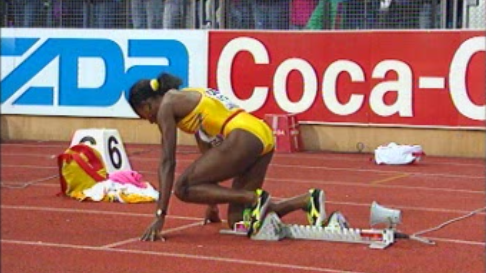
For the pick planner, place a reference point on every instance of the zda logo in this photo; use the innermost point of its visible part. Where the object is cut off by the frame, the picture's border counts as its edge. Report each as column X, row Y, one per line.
column 119, row 69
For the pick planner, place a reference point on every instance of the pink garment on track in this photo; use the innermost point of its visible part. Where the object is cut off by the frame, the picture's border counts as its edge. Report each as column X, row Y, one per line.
column 127, row 177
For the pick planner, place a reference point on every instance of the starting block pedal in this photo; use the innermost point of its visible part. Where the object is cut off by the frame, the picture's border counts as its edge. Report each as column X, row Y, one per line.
column 274, row 230
column 108, row 143
column 271, row 230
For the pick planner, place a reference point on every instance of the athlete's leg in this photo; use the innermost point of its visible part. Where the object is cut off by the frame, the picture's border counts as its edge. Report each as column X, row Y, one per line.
column 199, row 182
column 250, row 180
column 289, row 205
column 311, row 202
column 237, row 157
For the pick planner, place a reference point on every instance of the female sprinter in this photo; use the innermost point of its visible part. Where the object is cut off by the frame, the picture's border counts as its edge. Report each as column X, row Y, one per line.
column 244, row 154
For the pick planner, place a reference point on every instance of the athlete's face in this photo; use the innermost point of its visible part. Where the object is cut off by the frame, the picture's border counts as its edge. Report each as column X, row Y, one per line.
column 146, row 111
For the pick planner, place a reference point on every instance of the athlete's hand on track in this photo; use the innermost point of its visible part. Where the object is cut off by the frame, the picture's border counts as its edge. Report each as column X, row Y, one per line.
column 153, row 232
column 212, row 215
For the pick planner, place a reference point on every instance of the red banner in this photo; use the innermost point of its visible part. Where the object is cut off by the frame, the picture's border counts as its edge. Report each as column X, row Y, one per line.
column 391, row 78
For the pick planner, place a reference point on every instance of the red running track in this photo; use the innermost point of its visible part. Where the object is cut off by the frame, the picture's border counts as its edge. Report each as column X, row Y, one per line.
column 45, row 233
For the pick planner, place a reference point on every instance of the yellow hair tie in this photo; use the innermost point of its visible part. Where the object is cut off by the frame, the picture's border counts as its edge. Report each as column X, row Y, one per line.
column 154, row 84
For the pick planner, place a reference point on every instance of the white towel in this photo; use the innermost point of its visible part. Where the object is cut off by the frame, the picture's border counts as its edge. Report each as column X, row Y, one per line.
column 395, row 154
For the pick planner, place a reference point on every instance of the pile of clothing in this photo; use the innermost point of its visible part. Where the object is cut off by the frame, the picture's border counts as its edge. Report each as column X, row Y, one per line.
column 121, row 186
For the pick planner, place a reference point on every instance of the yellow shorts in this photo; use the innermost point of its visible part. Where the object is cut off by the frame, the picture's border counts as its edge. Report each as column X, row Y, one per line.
column 253, row 125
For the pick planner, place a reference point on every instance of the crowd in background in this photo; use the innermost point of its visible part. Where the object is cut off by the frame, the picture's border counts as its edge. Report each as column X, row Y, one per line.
column 229, row 14
column 333, row 14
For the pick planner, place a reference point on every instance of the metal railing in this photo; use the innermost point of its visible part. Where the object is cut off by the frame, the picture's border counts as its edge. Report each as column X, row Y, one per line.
column 246, row 14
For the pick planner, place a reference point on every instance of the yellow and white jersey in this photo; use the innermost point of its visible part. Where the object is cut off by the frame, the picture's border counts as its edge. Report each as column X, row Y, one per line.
column 211, row 113
column 216, row 116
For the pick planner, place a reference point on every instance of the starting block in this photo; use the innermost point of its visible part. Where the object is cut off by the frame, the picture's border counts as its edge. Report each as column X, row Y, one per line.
column 274, row 230
column 108, row 143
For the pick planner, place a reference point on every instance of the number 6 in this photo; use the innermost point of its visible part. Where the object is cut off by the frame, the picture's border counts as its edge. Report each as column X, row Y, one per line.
column 113, row 150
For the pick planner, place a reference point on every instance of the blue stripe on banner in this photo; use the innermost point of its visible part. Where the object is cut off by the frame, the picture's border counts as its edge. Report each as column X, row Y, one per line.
column 16, row 46
column 36, row 96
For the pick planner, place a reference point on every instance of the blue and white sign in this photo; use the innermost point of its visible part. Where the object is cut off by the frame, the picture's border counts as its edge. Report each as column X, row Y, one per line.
column 81, row 72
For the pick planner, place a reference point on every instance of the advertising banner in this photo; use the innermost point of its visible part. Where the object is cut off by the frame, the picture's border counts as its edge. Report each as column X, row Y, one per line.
column 379, row 78
column 88, row 72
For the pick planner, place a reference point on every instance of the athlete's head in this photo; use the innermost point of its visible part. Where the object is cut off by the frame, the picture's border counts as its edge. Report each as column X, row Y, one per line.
column 146, row 93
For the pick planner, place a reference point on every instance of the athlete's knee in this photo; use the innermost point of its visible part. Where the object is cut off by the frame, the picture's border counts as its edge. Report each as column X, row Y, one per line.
column 181, row 188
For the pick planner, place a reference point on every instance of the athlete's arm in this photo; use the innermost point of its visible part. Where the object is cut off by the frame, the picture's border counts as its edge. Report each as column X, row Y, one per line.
column 167, row 125
column 168, row 129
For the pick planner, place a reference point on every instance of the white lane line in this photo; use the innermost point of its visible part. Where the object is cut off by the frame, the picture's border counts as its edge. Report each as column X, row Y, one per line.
column 120, row 243
column 320, row 156
column 276, row 165
column 32, row 208
column 455, row 241
column 366, row 185
column 29, row 155
column 375, row 171
column 165, row 231
column 324, row 157
column 364, row 170
column 35, row 145
column 405, row 207
column 36, row 184
column 180, row 255
column 334, row 157
column 296, row 166
column 337, row 183
column 23, row 185
column 99, row 212
column 320, row 182
column 28, row 166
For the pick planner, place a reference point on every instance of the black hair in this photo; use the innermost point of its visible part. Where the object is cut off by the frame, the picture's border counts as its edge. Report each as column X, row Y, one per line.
column 145, row 88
